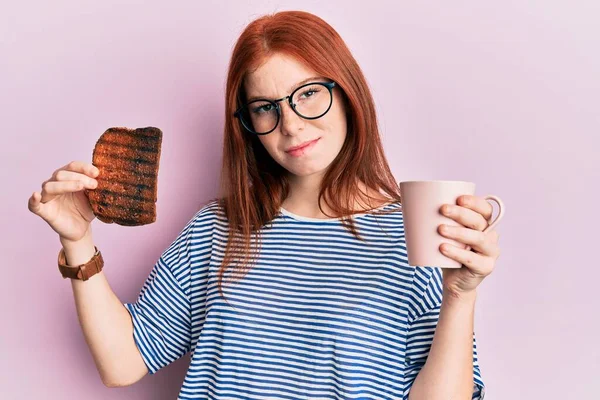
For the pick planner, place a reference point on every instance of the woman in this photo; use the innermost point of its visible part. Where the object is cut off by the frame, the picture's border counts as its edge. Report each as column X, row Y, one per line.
column 293, row 283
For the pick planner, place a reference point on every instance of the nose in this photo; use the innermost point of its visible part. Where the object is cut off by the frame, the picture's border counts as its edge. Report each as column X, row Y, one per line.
column 289, row 120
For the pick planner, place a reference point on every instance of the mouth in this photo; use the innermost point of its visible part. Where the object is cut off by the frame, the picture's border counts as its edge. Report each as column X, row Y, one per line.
column 302, row 148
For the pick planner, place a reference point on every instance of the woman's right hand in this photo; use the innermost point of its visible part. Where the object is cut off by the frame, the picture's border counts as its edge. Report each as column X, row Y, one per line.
column 63, row 203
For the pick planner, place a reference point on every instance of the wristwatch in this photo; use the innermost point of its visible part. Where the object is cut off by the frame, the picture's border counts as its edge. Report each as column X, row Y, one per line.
column 82, row 272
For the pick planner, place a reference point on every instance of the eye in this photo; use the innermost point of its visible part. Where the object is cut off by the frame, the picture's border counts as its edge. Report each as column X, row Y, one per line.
column 265, row 108
column 312, row 90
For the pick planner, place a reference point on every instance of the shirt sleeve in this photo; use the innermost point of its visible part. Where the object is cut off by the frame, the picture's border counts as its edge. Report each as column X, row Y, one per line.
column 162, row 313
column 424, row 312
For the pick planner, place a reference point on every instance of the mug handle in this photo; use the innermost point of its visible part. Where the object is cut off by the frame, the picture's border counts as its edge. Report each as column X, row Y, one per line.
column 491, row 222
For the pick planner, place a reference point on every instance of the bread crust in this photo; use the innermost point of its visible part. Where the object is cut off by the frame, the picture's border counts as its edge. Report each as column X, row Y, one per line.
column 127, row 191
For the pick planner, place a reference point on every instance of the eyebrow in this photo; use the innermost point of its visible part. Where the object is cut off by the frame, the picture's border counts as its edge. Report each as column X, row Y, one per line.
column 297, row 84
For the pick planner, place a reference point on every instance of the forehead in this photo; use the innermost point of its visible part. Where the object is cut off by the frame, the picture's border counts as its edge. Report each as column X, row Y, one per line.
column 277, row 77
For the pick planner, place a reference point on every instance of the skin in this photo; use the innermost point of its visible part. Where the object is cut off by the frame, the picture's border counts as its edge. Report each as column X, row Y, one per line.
column 448, row 371
column 473, row 213
column 277, row 78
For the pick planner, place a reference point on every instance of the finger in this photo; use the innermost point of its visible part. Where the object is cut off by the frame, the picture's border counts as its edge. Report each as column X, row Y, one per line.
column 495, row 235
column 477, row 204
column 34, row 205
column 69, row 173
column 64, row 175
column 81, row 167
column 53, row 189
column 479, row 241
column 465, row 216
column 478, row 264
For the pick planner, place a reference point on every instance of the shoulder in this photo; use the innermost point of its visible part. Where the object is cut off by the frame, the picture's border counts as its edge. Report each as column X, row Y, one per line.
column 199, row 230
column 212, row 207
column 210, row 213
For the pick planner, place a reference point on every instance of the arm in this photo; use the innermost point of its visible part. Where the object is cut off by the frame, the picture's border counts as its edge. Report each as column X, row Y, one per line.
column 448, row 371
column 105, row 322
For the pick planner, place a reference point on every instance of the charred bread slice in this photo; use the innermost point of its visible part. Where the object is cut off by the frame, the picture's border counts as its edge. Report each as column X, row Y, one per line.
column 128, row 160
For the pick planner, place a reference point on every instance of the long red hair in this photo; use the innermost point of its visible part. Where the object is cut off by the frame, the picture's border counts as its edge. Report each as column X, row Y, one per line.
column 253, row 185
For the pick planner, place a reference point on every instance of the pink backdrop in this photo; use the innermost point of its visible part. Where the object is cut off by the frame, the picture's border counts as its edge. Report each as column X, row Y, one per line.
column 505, row 95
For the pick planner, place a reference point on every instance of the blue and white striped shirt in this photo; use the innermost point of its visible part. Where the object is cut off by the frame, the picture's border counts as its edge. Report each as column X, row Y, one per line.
column 321, row 315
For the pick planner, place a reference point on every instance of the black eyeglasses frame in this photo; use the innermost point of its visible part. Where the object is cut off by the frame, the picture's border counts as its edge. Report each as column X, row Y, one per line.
column 329, row 85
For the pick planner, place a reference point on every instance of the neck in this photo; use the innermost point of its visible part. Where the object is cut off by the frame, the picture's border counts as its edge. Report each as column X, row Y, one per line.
column 304, row 197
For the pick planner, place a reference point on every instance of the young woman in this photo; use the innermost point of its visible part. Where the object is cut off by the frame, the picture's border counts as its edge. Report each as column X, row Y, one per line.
column 293, row 283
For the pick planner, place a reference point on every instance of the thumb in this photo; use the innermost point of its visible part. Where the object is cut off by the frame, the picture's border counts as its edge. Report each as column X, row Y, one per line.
column 35, row 205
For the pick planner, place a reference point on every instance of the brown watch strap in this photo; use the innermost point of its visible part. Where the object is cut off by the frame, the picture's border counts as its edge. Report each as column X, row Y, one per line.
column 83, row 271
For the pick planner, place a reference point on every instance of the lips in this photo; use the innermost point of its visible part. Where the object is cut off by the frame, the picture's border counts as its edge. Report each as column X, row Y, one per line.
column 301, row 145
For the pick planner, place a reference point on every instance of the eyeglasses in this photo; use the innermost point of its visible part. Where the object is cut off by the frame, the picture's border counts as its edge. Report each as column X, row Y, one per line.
column 309, row 101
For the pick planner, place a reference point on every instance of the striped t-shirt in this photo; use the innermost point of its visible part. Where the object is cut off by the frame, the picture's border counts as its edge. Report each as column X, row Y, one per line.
column 321, row 315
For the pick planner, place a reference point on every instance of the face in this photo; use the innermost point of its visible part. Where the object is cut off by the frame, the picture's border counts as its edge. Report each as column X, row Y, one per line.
column 277, row 78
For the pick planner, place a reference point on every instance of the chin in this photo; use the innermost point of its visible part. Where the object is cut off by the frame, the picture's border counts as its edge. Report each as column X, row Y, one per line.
column 310, row 168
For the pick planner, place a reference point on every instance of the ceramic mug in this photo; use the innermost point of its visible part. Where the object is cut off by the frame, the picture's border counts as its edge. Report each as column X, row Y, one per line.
column 421, row 204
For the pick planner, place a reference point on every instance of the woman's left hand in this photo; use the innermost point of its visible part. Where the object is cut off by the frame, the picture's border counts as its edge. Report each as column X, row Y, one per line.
column 473, row 213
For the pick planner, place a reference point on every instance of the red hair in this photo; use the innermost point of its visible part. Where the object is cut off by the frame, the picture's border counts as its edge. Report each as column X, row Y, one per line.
column 253, row 185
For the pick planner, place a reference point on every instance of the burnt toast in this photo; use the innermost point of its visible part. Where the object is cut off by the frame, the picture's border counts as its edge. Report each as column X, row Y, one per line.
column 128, row 160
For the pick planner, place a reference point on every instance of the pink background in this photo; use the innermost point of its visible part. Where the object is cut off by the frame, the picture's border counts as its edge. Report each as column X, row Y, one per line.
column 504, row 94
